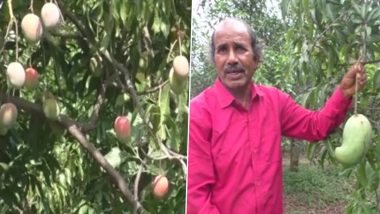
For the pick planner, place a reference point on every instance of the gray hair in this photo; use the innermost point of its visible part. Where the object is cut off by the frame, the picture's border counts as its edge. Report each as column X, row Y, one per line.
column 255, row 44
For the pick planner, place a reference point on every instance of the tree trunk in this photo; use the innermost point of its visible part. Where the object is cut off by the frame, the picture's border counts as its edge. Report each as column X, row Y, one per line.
column 294, row 156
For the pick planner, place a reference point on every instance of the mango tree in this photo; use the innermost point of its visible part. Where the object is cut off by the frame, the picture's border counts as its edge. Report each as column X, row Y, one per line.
column 89, row 117
column 327, row 37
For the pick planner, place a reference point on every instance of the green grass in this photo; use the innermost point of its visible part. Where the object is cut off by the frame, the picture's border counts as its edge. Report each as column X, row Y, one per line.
column 315, row 188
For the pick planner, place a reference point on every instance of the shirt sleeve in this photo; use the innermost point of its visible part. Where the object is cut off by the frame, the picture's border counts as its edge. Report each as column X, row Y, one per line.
column 201, row 176
column 299, row 122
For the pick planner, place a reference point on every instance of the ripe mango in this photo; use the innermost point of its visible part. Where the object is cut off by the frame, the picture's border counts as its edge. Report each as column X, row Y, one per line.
column 16, row 74
column 179, row 74
column 50, row 14
column 181, row 67
column 8, row 116
column 356, row 140
column 31, row 26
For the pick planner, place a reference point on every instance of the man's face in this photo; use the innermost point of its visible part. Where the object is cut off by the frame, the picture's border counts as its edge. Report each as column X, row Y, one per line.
column 233, row 56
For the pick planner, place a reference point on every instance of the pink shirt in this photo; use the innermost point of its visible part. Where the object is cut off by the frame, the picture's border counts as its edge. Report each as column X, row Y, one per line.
column 235, row 161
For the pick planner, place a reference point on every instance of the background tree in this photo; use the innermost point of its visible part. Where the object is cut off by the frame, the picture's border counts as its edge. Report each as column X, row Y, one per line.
column 327, row 37
column 307, row 50
column 105, row 59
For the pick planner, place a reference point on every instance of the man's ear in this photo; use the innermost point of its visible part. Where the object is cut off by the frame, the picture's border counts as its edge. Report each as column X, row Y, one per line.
column 257, row 63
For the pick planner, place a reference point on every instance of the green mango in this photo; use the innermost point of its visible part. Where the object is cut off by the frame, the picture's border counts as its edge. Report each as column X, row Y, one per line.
column 51, row 108
column 177, row 84
column 356, row 140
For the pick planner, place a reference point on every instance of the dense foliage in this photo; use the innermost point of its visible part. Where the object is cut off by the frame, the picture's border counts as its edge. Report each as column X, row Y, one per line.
column 307, row 49
column 327, row 37
column 105, row 59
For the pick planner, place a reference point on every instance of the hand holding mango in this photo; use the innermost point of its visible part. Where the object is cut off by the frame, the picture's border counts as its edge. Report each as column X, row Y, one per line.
column 355, row 73
column 357, row 130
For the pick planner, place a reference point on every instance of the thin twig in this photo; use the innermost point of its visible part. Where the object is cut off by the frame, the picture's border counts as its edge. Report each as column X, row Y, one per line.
column 91, row 124
column 136, row 187
column 148, row 41
column 172, row 155
column 179, row 43
column 154, row 89
column 377, row 200
column 362, row 58
column 10, row 25
column 16, row 30
column 363, row 62
column 31, row 6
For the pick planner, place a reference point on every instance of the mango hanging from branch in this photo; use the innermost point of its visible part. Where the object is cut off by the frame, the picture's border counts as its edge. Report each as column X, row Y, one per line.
column 51, row 108
column 8, row 116
column 178, row 74
column 31, row 26
column 50, row 15
column 356, row 140
column 16, row 74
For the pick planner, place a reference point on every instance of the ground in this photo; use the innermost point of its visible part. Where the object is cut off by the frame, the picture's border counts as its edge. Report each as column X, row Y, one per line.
column 294, row 206
column 315, row 190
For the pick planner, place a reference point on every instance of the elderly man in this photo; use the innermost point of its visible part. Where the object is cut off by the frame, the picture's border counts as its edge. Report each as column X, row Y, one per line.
column 236, row 128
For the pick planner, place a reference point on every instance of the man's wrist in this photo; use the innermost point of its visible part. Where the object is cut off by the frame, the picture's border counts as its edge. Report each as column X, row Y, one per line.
column 346, row 93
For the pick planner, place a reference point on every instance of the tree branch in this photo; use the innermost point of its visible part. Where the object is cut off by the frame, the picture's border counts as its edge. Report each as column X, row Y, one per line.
column 172, row 155
column 364, row 62
column 82, row 28
column 129, row 87
column 119, row 180
column 74, row 130
column 154, row 89
column 148, row 41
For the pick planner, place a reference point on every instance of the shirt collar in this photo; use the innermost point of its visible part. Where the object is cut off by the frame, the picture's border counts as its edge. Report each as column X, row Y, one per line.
column 225, row 98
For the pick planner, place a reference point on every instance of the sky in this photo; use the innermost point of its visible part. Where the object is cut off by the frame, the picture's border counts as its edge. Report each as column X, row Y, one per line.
column 198, row 12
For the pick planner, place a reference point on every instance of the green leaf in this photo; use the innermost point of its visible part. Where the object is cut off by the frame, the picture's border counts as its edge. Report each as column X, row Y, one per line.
column 376, row 80
column 156, row 27
column 83, row 209
column 374, row 181
column 123, row 12
column 375, row 15
column 156, row 153
column 361, row 174
column 284, row 5
column 114, row 157
column 310, row 151
column 330, row 12
column 329, row 147
column 357, row 10
column 164, row 105
column 3, row 167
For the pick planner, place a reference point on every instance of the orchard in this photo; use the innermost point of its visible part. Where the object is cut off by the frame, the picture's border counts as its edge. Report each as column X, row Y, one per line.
column 308, row 46
column 94, row 106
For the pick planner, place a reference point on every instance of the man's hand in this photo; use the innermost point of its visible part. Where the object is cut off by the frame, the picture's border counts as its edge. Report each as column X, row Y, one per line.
column 355, row 73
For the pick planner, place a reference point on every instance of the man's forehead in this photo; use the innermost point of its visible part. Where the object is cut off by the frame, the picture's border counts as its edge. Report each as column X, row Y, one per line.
column 231, row 31
column 220, row 44
column 231, row 24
